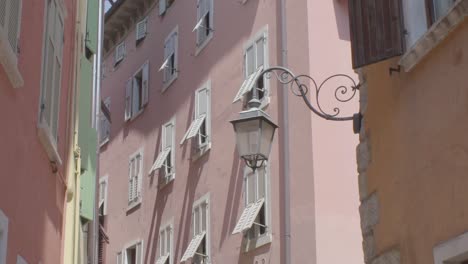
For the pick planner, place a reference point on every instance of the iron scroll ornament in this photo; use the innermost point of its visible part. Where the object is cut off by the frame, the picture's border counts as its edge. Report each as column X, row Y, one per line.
column 342, row 93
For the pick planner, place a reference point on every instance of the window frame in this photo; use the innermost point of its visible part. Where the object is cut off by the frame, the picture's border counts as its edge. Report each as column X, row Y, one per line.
column 132, row 203
column 3, row 237
column 175, row 67
column 134, row 244
column 205, row 199
column 45, row 131
column 118, row 58
column 167, row 227
column 202, row 45
column 143, row 93
column 203, row 147
column 251, row 43
column 9, row 60
column 161, row 11
column 251, row 243
column 164, row 179
column 104, row 179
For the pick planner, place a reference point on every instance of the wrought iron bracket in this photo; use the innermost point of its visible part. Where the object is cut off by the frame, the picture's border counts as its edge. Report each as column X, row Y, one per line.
column 343, row 93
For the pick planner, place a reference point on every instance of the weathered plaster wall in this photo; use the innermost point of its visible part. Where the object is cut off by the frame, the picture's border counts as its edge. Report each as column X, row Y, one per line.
column 413, row 153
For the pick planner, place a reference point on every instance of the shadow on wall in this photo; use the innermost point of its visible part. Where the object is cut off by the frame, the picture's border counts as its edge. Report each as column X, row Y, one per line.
column 342, row 18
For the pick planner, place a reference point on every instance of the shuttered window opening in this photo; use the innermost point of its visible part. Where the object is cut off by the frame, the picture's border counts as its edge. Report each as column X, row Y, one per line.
column 136, row 92
column 135, row 179
column 198, row 250
column 133, row 254
column 10, row 22
column 141, row 30
column 255, row 61
column 103, row 187
column 169, row 65
column 166, row 157
column 164, row 5
column 105, row 122
column 165, row 245
column 119, row 53
column 52, row 69
column 376, row 28
column 201, row 124
column 204, row 25
column 253, row 219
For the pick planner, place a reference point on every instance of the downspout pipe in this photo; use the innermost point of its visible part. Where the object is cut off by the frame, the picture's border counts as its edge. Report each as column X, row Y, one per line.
column 285, row 138
column 97, row 108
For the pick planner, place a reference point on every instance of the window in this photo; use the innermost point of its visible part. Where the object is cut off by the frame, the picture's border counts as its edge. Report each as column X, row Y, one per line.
column 119, row 53
column 51, row 79
column 132, row 254
column 103, row 187
column 164, row 5
column 105, row 124
column 141, row 30
column 169, row 66
column 165, row 245
column 10, row 20
column 437, row 9
column 453, row 251
column 166, row 158
column 3, row 237
column 204, row 25
column 254, row 220
column 255, row 60
column 135, row 169
column 200, row 127
column 199, row 247
column 136, row 92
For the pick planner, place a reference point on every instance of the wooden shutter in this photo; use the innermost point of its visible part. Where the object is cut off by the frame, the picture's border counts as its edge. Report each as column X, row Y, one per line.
column 3, row 13
column 139, row 174
column 162, row 7
column 128, row 100
column 145, row 82
column 136, row 96
column 131, row 181
column 376, row 29
column 14, row 23
column 139, row 253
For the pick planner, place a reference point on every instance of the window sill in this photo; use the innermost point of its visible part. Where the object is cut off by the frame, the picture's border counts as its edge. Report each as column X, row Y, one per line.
column 46, row 139
column 252, row 244
column 9, row 61
column 166, row 182
column 202, row 46
column 201, row 151
column 435, row 35
column 136, row 115
column 167, row 84
column 133, row 205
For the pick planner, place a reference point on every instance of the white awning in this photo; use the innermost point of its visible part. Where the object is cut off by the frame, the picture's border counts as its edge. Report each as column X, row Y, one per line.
column 162, row 259
column 194, row 128
column 192, row 247
column 248, row 84
column 160, row 160
column 248, row 216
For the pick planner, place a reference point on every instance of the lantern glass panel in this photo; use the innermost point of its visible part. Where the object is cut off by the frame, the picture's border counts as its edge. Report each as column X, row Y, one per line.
column 268, row 130
column 248, row 137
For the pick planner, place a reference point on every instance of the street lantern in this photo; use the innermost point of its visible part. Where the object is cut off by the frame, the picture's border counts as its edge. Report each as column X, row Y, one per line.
column 254, row 136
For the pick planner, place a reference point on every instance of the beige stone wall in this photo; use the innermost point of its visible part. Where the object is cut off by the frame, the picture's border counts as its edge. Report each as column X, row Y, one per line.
column 413, row 154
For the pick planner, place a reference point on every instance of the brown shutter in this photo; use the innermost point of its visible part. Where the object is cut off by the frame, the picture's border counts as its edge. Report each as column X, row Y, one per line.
column 376, row 28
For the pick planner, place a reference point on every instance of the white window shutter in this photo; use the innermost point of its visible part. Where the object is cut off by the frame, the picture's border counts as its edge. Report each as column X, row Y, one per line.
column 128, row 100
column 14, row 23
column 139, row 175
column 3, row 13
column 202, row 102
column 162, row 7
column 260, row 45
column 145, row 82
column 167, row 50
column 141, row 28
column 119, row 258
column 139, row 253
column 135, row 96
column 131, row 182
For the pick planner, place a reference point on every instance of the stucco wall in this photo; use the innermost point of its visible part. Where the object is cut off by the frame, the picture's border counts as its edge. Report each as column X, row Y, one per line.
column 416, row 130
column 31, row 196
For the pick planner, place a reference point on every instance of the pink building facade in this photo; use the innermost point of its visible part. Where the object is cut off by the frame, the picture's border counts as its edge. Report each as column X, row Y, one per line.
column 173, row 187
column 37, row 59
